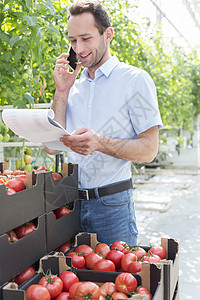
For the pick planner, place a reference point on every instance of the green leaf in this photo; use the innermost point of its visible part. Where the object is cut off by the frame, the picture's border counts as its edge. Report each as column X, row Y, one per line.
column 29, row 98
column 4, row 36
column 14, row 39
column 30, row 20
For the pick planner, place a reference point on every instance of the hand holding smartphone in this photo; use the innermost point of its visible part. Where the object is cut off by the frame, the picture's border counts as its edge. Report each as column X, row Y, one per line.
column 72, row 58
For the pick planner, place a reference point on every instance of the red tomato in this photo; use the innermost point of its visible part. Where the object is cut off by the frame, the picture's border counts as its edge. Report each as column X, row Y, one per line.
column 68, row 278
column 135, row 267
column 36, row 292
column 78, row 261
column 25, row 229
column 139, row 252
column 85, row 249
column 61, row 211
column 159, row 250
column 41, row 168
column 11, row 192
column 87, row 290
column 16, row 184
column 119, row 295
column 116, row 257
column 104, row 265
column 2, row 180
column 121, row 246
column 91, row 259
column 17, row 172
column 8, row 172
column 22, row 177
column 126, row 283
column 107, row 289
column 103, row 249
column 24, row 275
column 63, row 296
column 143, row 291
column 127, row 260
column 64, row 247
column 153, row 258
column 72, row 289
column 53, row 284
column 56, row 176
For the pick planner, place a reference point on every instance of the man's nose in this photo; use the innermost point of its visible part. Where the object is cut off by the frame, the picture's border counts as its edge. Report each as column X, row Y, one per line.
column 79, row 47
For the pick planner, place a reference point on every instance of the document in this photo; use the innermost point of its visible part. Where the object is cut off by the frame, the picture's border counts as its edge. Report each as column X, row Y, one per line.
column 36, row 126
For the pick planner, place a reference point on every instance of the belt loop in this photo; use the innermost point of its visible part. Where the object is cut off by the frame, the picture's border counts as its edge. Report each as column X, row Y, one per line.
column 96, row 193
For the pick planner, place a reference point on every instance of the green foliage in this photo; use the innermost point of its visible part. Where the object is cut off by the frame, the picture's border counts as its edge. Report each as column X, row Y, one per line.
column 34, row 32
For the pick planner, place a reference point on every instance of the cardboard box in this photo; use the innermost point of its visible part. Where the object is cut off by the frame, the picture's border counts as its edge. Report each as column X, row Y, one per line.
column 170, row 265
column 23, row 253
column 62, row 191
column 57, row 264
column 23, row 206
column 63, row 229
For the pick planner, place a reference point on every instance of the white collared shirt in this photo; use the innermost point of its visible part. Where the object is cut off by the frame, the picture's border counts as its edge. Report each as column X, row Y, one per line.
column 120, row 102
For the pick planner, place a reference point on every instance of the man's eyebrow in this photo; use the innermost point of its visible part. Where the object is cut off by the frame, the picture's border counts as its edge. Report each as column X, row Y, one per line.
column 80, row 35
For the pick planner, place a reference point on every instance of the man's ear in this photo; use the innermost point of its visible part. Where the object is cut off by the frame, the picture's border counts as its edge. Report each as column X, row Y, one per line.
column 109, row 34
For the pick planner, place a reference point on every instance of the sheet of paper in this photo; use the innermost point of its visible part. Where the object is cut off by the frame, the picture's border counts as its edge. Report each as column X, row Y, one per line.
column 35, row 125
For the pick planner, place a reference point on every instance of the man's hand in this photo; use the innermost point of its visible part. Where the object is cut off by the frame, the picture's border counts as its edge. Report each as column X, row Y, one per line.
column 83, row 141
column 64, row 79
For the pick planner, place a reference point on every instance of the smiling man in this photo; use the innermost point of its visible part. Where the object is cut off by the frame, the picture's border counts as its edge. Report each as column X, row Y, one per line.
column 112, row 114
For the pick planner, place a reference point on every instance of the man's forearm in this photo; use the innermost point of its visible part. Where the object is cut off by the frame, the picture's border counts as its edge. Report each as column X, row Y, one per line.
column 143, row 149
column 59, row 107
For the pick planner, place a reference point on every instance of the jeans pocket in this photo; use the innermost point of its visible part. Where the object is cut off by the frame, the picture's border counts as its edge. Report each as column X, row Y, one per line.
column 118, row 199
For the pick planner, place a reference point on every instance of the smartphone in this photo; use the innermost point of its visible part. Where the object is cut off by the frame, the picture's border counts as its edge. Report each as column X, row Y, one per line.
column 72, row 58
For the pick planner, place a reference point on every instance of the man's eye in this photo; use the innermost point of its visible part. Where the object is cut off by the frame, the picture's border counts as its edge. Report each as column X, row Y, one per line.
column 85, row 39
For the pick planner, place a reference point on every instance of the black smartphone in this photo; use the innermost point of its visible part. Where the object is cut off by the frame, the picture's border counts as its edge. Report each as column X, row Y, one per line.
column 72, row 58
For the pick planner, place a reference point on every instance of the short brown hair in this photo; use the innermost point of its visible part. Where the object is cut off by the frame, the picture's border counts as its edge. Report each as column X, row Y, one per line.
column 94, row 7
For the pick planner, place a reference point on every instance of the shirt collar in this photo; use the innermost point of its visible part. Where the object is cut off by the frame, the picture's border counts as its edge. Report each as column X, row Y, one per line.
column 104, row 69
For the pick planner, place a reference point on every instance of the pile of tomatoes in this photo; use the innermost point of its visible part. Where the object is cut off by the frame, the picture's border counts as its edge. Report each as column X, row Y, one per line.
column 67, row 286
column 117, row 257
column 15, row 180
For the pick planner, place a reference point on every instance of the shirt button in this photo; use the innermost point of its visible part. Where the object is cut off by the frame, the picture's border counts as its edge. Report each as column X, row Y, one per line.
column 83, row 178
column 90, row 106
column 93, row 83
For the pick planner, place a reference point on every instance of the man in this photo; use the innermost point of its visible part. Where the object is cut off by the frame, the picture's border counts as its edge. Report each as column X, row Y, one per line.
column 113, row 117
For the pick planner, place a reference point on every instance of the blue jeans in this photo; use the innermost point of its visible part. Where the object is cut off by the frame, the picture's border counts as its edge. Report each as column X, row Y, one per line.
column 111, row 217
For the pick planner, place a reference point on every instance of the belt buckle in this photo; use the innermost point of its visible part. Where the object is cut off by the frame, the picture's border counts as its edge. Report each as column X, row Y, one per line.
column 83, row 194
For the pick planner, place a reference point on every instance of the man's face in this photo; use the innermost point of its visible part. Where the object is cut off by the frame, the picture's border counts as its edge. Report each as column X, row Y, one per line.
column 91, row 47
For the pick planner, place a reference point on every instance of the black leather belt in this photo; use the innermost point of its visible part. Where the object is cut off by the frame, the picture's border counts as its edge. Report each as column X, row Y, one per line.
column 107, row 190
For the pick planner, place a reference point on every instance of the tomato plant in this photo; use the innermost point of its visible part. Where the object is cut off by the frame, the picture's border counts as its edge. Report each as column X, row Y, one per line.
column 52, row 283
column 68, row 278
column 24, row 275
column 25, row 229
column 37, row 291
column 125, row 283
